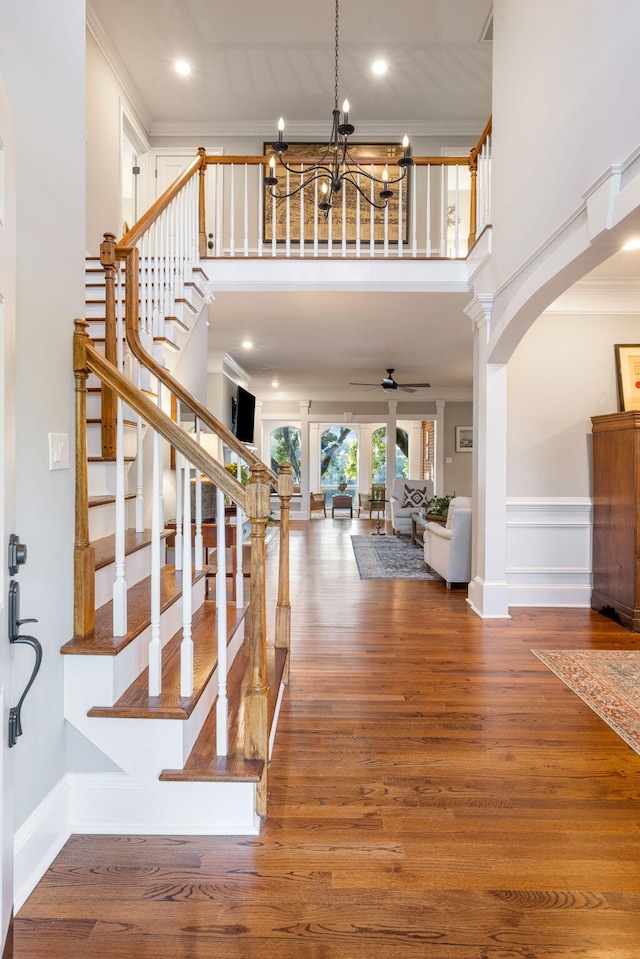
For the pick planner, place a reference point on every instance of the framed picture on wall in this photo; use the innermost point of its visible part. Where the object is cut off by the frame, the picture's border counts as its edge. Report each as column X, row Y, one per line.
column 464, row 439
column 628, row 376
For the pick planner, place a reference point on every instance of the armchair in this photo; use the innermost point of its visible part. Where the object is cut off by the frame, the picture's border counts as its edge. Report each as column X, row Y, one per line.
column 317, row 501
column 447, row 549
column 374, row 501
column 407, row 496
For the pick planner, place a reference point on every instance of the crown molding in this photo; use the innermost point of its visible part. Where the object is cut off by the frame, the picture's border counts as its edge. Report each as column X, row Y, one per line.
column 123, row 76
column 311, row 128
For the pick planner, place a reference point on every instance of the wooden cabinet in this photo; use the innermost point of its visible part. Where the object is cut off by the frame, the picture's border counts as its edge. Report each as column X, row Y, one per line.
column 616, row 516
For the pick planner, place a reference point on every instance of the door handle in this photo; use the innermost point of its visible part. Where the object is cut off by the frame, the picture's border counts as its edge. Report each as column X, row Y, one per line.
column 15, row 719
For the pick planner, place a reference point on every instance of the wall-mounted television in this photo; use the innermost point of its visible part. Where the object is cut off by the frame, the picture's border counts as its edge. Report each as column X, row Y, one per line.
column 243, row 408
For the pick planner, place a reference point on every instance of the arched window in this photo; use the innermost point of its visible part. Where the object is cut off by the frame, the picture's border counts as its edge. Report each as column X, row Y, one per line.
column 338, row 457
column 285, row 448
column 379, row 454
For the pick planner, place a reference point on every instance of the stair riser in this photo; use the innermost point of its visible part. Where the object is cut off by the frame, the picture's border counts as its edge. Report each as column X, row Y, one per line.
column 102, row 519
column 117, row 804
column 101, row 680
column 102, row 478
column 137, row 567
column 94, row 440
column 94, row 408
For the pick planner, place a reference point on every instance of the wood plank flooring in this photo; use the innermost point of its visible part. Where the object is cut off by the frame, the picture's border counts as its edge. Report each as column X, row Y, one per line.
column 435, row 793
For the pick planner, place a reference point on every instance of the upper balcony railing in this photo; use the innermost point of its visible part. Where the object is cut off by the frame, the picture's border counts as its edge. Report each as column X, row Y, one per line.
column 437, row 211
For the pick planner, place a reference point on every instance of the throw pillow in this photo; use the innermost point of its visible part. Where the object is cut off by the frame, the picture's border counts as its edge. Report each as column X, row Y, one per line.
column 414, row 498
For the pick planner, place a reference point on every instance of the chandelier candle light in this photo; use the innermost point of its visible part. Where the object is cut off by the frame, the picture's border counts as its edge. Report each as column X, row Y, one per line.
column 336, row 166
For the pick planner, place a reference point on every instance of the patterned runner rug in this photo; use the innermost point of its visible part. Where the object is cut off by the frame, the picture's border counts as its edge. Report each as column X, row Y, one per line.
column 387, row 557
column 607, row 680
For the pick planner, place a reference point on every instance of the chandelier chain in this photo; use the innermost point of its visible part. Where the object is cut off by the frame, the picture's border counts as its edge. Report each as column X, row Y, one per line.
column 336, row 58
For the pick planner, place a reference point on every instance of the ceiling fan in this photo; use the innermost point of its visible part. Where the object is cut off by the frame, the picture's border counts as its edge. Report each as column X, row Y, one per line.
column 389, row 385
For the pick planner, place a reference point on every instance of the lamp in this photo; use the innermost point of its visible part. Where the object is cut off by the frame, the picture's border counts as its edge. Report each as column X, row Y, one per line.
column 336, row 166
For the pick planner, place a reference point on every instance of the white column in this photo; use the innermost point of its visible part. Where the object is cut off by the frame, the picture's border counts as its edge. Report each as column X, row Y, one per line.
column 488, row 590
column 364, row 458
column 186, row 646
column 314, row 457
column 415, row 447
column 438, row 439
column 305, row 479
column 392, row 422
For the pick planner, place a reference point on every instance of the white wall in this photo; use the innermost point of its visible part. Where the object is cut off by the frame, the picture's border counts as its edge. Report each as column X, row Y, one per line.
column 566, row 87
column 104, row 98
column 42, row 57
column 457, row 475
column 561, row 374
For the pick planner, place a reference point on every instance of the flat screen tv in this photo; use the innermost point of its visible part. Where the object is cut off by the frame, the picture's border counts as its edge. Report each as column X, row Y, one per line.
column 243, row 407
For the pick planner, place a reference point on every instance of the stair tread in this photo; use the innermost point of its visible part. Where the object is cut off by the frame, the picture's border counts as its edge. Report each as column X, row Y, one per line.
column 202, row 764
column 105, row 547
column 102, row 642
column 181, row 299
column 108, row 459
column 106, row 499
column 135, row 702
column 96, row 419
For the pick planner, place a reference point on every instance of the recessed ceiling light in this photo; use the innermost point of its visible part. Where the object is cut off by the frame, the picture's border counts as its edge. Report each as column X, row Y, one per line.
column 247, row 344
column 379, row 67
column 274, row 383
column 182, row 67
column 632, row 244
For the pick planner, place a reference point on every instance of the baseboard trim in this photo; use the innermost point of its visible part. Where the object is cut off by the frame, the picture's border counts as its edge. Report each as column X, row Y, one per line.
column 39, row 839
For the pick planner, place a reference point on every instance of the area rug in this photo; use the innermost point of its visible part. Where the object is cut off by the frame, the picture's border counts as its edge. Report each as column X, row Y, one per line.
column 607, row 680
column 387, row 557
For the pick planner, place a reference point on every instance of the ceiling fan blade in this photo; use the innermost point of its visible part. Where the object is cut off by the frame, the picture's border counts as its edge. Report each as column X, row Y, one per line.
column 406, row 389
column 418, row 386
column 364, row 384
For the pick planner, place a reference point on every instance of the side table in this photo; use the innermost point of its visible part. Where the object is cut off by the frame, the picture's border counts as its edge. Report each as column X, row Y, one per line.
column 418, row 520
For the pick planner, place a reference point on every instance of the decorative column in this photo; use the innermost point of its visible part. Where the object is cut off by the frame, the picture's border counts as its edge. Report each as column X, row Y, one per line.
column 392, row 423
column 84, row 564
column 305, row 478
column 108, row 398
column 438, row 486
column 202, row 226
column 256, row 742
column 488, row 590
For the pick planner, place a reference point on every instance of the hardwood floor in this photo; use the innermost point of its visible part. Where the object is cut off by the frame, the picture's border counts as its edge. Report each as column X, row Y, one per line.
column 436, row 793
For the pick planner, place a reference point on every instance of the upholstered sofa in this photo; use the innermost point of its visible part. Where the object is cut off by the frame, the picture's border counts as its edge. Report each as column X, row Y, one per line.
column 407, row 496
column 447, row 549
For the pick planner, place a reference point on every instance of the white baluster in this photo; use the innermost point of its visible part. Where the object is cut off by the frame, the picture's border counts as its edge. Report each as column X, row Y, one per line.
column 120, row 583
column 239, row 551
column 171, row 306
column 386, row 230
column 315, row 217
column 274, row 245
column 155, row 324
column 287, row 245
column 155, row 647
column 246, row 209
column 330, row 233
column 232, row 210
column 428, row 245
column 261, row 175
column 198, row 543
column 413, row 173
column 400, row 220
column 456, row 217
column 372, row 215
column 344, row 219
column 221, row 619
column 186, row 646
column 358, row 216
column 301, row 195
column 219, row 203
column 177, row 552
column 489, row 181
column 443, row 212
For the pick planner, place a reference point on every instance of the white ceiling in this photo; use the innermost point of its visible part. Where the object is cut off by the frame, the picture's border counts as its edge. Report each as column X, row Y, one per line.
column 257, row 59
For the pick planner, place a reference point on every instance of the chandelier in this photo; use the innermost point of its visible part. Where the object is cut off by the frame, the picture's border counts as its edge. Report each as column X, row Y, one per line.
column 336, row 166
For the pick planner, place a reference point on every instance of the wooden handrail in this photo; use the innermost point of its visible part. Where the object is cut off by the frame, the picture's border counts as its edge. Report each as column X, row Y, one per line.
column 164, row 425
column 152, row 214
column 481, row 142
column 376, row 161
column 133, row 338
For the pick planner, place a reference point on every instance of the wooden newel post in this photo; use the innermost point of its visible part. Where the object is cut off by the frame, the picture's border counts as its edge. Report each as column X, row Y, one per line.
column 84, row 562
column 108, row 260
column 202, row 226
column 473, row 201
column 283, row 608
column 256, row 743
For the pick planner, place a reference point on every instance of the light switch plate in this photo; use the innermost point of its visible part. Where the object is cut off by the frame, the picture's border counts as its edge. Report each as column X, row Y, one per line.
column 58, row 451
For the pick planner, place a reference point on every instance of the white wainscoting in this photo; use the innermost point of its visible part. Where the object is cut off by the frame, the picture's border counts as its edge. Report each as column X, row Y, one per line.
column 549, row 551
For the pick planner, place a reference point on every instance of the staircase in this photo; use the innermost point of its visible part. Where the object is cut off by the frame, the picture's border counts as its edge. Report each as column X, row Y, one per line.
column 177, row 688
